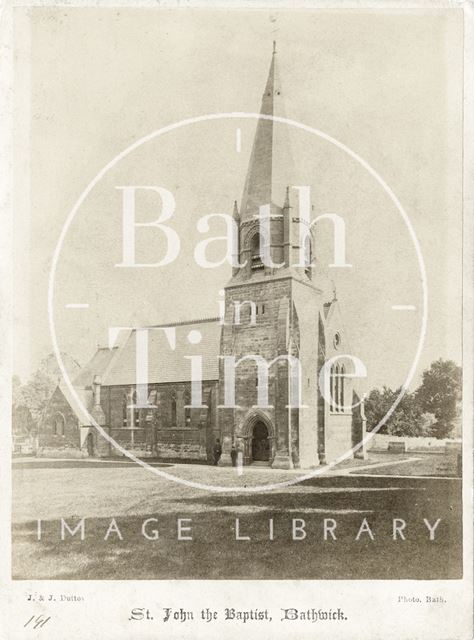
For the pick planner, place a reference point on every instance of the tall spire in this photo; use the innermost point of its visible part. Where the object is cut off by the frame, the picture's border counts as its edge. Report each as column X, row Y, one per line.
column 267, row 174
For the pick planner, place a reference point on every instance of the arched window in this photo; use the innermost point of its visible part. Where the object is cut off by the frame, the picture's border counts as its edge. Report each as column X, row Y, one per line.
column 59, row 424
column 187, row 409
column 152, row 402
column 256, row 252
column 307, row 255
column 337, row 388
column 341, row 388
column 173, row 410
column 332, row 389
column 135, row 411
column 124, row 411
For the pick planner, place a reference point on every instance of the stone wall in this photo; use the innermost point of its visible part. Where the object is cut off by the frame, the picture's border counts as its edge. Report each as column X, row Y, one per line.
column 380, row 442
column 261, row 338
column 163, row 432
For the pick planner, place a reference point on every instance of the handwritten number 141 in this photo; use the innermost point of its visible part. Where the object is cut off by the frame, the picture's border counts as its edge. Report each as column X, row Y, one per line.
column 36, row 622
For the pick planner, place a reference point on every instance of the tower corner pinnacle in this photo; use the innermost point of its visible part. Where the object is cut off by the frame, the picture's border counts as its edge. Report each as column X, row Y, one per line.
column 235, row 211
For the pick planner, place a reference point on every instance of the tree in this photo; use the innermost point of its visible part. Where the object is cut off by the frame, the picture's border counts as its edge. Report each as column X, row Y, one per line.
column 22, row 421
column 406, row 420
column 377, row 403
column 36, row 393
column 440, row 394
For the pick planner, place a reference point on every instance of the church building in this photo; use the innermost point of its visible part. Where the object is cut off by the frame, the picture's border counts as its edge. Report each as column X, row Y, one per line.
column 275, row 310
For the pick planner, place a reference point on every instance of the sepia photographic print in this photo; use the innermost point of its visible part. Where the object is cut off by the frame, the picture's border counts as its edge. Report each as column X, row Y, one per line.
column 237, row 320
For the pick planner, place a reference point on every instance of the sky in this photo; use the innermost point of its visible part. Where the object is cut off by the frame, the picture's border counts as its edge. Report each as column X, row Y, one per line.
column 91, row 82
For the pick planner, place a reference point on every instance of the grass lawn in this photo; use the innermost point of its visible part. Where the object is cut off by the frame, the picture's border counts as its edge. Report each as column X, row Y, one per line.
column 100, row 491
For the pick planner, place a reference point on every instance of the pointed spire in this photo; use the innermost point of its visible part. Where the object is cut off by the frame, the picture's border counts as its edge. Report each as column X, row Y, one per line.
column 268, row 166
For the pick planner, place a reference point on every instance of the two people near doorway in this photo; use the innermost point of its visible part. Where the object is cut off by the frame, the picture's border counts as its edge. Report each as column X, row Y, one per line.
column 234, row 453
column 259, row 447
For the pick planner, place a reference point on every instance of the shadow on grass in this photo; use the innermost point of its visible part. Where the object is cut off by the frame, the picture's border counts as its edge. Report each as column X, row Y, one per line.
column 82, row 463
column 214, row 553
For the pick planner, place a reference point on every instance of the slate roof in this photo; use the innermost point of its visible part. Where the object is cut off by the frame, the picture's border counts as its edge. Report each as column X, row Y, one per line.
column 82, row 383
column 164, row 363
column 97, row 365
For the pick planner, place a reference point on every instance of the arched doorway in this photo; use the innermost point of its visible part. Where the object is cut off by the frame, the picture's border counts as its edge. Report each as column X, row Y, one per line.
column 260, row 443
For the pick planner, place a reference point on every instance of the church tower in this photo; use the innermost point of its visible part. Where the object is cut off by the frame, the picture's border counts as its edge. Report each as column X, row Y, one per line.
column 272, row 306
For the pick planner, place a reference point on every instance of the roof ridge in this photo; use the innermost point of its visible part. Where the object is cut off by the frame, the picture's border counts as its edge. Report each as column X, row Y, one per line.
column 179, row 322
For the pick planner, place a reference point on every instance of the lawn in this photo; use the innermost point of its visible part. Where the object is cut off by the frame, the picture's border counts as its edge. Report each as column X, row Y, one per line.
column 99, row 492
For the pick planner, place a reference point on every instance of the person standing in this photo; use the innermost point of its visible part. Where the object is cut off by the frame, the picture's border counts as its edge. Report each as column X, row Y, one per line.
column 217, row 451
column 233, row 455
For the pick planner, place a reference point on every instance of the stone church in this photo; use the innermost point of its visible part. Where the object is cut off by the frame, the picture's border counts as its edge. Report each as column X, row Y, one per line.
column 276, row 312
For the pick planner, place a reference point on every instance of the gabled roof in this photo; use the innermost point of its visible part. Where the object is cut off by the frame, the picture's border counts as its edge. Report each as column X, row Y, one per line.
column 85, row 395
column 166, row 364
column 97, row 366
column 82, row 384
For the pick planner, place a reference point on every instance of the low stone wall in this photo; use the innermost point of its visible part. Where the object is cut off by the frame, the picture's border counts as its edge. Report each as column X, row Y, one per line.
column 24, row 446
column 380, row 442
column 66, row 452
column 161, row 451
column 139, row 450
column 181, row 452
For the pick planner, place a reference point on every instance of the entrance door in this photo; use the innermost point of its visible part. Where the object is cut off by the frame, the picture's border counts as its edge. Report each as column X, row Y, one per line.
column 260, row 443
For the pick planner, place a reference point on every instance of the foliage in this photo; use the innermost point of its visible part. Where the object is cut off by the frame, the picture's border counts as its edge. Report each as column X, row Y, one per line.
column 33, row 396
column 406, row 420
column 22, row 421
column 440, row 394
column 431, row 410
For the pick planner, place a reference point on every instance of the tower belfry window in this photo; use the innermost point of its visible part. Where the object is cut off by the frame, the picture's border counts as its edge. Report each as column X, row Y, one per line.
column 255, row 252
